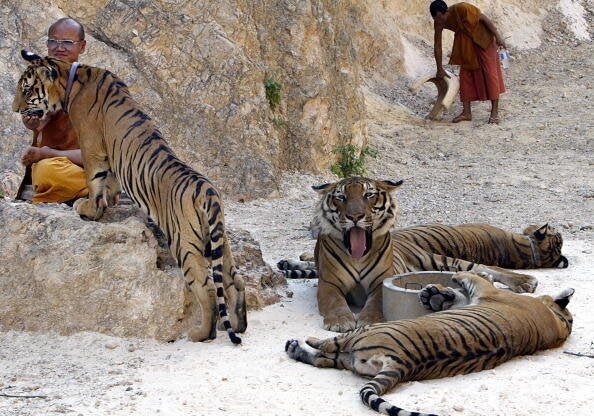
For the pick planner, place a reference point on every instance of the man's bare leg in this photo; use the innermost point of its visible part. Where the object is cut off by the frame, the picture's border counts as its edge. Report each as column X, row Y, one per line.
column 494, row 118
column 466, row 114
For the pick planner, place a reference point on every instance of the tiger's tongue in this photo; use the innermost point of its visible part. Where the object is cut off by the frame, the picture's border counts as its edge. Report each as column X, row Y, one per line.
column 358, row 241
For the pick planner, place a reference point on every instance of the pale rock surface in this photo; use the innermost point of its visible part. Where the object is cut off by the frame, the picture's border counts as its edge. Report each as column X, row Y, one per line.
column 60, row 273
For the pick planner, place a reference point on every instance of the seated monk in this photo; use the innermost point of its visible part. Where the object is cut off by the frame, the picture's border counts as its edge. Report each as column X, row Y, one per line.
column 54, row 160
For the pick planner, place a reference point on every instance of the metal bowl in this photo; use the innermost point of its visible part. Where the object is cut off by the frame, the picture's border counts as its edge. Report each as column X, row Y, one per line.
column 400, row 293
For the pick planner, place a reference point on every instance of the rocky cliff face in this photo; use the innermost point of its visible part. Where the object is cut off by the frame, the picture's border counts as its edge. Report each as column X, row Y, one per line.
column 198, row 67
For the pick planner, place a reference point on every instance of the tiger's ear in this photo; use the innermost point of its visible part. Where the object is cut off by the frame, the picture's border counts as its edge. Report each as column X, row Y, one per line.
column 29, row 56
column 389, row 185
column 562, row 299
column 541, row 232
column 323, row 188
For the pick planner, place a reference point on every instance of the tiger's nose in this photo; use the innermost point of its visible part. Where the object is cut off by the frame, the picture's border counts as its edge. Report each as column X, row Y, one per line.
column 355, row 216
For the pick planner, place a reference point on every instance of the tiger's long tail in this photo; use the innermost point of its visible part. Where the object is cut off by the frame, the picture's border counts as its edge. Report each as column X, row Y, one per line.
column 216, row 229
column 295, row 269
column 382, row 382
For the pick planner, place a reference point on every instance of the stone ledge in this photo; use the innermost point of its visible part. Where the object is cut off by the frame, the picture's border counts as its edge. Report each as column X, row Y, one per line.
column 60, row 273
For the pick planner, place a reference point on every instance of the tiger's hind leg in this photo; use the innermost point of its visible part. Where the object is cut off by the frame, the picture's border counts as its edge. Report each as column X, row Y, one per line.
column 517, row 282
column 195, row 268
column 112, row 190
column 476, row 286
column 436, row 297
column 418, row 259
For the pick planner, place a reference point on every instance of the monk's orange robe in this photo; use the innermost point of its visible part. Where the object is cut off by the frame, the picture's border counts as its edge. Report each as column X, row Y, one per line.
column 56, row 179
column 475, row 51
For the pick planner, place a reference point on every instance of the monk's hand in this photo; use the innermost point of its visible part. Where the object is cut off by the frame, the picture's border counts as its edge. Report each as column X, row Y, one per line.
column 33, row 154
column 32, row 122
column 35, row 123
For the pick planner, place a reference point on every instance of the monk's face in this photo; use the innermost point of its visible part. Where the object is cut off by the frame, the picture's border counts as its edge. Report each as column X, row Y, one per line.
column 64, row 42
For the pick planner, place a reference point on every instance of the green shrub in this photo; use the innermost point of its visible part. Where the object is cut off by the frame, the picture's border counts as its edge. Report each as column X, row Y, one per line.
column 351, row 161
column 273, row 90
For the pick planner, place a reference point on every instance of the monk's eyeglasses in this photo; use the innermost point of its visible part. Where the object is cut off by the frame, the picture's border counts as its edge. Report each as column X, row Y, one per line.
column 55, row 43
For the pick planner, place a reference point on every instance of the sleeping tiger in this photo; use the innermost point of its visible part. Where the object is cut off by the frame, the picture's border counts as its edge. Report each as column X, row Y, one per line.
column 443, row 344
column 355, row 250
column 537, row 247
column 121, row 145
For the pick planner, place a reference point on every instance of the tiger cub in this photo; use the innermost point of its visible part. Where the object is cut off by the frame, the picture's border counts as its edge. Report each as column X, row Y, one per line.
column 443, row 344
column 121, row 146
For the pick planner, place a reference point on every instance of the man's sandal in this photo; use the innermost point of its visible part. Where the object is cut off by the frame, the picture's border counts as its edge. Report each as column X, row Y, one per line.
column 461, row 117
column 493, row 120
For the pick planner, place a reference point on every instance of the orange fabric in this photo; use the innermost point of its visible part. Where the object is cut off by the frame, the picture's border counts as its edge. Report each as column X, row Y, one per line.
column 58, row 134
column 464, row 20
column 485, row 83
column 57, row 179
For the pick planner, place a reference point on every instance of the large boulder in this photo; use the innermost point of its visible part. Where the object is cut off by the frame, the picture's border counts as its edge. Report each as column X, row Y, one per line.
column 60, row 273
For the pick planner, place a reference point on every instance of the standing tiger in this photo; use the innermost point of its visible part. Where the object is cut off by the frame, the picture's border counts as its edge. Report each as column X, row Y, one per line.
column 355, row 250
column 496, row 326
column 121, row 145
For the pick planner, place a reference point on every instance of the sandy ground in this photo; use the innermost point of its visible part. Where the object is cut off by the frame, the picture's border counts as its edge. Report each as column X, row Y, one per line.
column 536, row 166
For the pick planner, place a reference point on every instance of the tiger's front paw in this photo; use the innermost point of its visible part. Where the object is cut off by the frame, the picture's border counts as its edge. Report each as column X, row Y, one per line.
column 435, row 297
column 85, row 209
column 343, row 323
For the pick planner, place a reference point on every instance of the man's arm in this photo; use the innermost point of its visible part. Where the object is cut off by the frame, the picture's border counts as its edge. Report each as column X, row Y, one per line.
column 437, row 49
column 35, row 154
column 489, row 24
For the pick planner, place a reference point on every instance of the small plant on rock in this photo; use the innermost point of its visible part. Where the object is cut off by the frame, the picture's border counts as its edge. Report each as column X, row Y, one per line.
column 351, row 160
column 273, row 89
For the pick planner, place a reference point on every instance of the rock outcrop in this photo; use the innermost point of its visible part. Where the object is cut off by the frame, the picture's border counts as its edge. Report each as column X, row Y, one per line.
column 60, row 273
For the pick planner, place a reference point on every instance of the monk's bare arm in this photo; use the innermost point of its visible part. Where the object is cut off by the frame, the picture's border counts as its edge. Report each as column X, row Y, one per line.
column 437, row 49
column 489, row 24
column 35, row 154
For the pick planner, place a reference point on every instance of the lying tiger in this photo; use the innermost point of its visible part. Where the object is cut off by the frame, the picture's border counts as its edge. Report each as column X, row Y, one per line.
column 355, row 250
column 121, row 145
column 537, row 247
column 443, row 344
